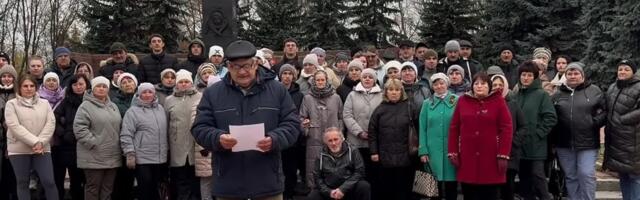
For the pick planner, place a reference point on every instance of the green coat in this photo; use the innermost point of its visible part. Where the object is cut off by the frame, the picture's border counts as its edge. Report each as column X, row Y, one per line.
column 435, row 117
column 540, row 118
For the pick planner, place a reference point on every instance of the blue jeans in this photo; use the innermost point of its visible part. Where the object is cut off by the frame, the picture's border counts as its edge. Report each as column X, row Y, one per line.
column 579, row 167
column 629, row 186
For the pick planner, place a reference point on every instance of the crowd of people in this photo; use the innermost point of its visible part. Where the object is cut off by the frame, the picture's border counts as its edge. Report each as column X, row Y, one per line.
column 356, row 126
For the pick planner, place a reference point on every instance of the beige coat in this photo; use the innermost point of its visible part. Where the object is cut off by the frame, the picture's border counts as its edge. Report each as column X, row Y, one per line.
column 28, row 122
column 181, row 108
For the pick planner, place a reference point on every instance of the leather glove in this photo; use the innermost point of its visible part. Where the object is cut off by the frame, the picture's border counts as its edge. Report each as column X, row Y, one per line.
column 131, row 161
column 503, row 164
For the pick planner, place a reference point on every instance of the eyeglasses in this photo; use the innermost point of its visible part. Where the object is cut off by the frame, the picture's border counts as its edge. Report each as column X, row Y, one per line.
column 238, row 66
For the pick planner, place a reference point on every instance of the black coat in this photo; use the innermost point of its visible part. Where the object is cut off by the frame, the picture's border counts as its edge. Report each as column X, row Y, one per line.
column 129, row 66
column 346, row 87
column 580, row 113
column 63, row 75
column 519, row 131
column 338, row 171
column 470, row 65
column 63, row 137
column 622, row 138
column 295, row 62
column 193, row 62
column 389, row 133
column 153, row 64
column 296, row 95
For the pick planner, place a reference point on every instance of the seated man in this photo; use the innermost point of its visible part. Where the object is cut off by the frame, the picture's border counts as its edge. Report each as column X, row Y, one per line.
column 339, row 171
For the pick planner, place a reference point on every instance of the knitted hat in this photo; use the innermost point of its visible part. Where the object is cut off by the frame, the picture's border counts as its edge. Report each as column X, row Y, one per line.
column 5, row 56
column 493, row 70
column 146, row 86
column 455, row 68
column 318, row 51
column 577, row 66
column 51, row 75
column 183, row 75
column 290, row 68
column 311, row 59
column 507, row 47
column 342, row 57
column 437, row 76
column 392, row 64
column 634, row 68
column 206, row 66
column 61, row 51
column 9, row 69
column 127, row 75
column 430, row 53
column 216, row 50
column 542, row 51
column 165, row 71
column 100, row 80
column 355, row 63
column 452, row 45
column 117, row 46
column 369, row 71
column 410, row 64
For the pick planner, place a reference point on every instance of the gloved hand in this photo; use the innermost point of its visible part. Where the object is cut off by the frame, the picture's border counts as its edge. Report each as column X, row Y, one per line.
column 131, row 160
column 503, row 164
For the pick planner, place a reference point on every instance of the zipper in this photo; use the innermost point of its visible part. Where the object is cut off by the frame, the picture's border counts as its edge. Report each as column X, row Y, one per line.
column 571, row 120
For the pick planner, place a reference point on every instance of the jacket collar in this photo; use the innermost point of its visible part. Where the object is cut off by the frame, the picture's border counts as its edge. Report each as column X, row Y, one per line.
column 360, row 88
column 449, row 100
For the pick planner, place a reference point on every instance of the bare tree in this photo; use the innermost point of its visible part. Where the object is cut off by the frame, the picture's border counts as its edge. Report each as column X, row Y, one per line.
column 63, row 14
column 193, row 18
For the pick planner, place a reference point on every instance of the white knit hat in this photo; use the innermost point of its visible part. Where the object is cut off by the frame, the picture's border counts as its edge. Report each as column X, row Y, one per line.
column 127, row 75
column 146, row 86
column 51, row 75
column 392, row 64
column 437, row 76
column 100, row 80
column 183, row 75
column 216, row 50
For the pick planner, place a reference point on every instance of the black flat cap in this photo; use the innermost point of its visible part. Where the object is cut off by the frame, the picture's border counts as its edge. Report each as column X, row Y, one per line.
column 239, row 49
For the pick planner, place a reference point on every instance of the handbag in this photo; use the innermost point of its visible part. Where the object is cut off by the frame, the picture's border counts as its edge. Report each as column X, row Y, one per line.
column 425, row 184
column 413, row 135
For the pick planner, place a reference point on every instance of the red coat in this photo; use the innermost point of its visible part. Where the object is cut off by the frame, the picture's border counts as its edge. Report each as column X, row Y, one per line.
column 480, row 131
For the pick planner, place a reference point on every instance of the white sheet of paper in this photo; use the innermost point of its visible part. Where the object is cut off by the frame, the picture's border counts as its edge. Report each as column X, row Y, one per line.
column 247, row 136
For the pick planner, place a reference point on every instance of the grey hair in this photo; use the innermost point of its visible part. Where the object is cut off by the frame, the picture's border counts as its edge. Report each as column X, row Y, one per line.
column 333, row 129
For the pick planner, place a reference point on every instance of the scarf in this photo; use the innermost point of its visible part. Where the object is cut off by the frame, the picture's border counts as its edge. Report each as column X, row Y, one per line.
column 53, row 97
column 6, row 87
column 441, row 96
column 321, row 93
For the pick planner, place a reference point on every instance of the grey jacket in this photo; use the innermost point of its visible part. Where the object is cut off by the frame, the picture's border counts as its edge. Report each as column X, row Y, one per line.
column 97, row 129
column 144, row 132
column 357, row 111
column 180, row 107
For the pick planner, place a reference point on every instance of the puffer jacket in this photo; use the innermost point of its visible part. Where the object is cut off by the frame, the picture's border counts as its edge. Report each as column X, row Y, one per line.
column 193, row 61
column 389, row 133
column 144, row 132
column 29, row 121
column 357, row 112
column 622, row 138
column 181, row 107
column 122, row 100
column 151, row 66
column 581, row 113
column 130, row 65
column 341, row 171
column 97, row 129
column 63, row 137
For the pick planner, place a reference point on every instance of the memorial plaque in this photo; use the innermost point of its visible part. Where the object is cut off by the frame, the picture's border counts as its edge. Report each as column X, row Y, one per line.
column 219, row 25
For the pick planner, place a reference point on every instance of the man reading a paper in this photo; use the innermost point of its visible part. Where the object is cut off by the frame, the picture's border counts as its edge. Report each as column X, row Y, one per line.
column 247, row 106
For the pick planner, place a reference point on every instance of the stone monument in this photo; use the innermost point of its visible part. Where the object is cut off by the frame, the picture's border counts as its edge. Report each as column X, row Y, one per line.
column 219, row 25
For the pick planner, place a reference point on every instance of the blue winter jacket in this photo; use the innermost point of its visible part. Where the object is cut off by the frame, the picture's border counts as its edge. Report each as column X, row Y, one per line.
column 248, row 174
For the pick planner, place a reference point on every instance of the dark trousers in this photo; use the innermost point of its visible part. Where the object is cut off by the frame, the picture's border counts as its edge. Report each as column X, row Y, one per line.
column 149, row 177
column 123, row 188
column 64, row 161
column 293, row 160
column 361, row 191
column 480, row 192
column 396, row 183
column 184, row 183
column 8, row 179
column 42, row 165
column 533, row 180
column 447, row 190
column 508, row 189
column 99, row 183
column 370, row 172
